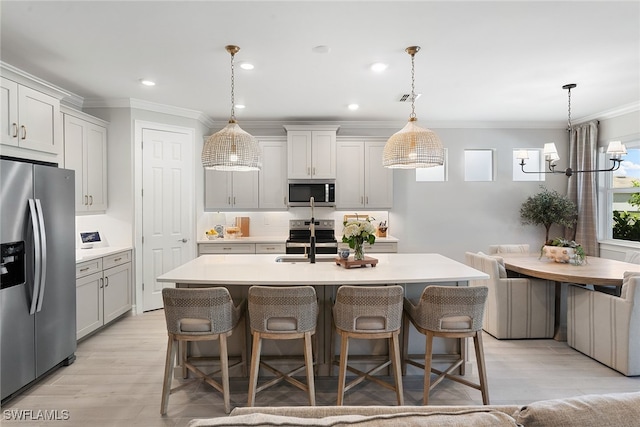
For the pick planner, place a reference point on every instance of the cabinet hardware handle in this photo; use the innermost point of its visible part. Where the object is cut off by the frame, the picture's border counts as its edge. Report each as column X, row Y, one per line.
column 229, row 200
column 314, row 170
column 86, row 200
column 101, row 283
column 234, row 200
column 24, row 132
column 106, row 282
column 308, row 170
column 284, row 200
column 226, row 249
column 183, row 240
column 15, row 129
column 117, row 259
column 84, row 269
column 366, row 200
column 361, row 200
column 90, row 200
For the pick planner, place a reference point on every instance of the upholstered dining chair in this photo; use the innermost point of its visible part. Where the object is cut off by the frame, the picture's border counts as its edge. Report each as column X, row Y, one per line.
column 204, row 314
column 372, row 313
column 282, row 313
column 521, row 248
column 448, row 312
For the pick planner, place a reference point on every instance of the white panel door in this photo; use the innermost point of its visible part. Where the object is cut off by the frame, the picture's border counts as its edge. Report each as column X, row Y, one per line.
column 167, row 201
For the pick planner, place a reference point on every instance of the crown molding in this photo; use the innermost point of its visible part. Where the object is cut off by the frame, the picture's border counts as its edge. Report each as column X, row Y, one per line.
column 611, row 113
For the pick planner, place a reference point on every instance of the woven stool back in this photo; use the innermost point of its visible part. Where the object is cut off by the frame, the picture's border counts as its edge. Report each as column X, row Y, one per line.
column 212, row 304
column 440, row 302
column 298, row 303
column 354, row 302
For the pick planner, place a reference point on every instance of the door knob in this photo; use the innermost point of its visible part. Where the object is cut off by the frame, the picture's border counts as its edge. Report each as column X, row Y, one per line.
column 183, row 240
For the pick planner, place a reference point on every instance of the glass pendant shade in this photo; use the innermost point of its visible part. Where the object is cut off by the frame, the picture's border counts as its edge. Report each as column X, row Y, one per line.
column 413, row 147
column 231, row 149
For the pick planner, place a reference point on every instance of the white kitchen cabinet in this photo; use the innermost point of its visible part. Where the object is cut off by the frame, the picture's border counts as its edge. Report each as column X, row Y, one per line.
column 361, row 180
column 103, row 291
column 270, row 248
column 378, row 247
column 85, row 151
column 30, row 119
column 226, row 248
column 311, row 152
column 230, row 190
column 273, row 175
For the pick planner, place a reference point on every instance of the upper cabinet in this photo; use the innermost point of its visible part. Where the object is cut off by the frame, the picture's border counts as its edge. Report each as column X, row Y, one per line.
column 311, row 152
column 273, row 175
column 361, row 180
column 230, row 190
column 30, row 119
column 85, row 151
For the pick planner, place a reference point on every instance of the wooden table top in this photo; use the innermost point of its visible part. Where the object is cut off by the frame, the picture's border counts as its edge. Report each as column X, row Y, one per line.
column 596, row 271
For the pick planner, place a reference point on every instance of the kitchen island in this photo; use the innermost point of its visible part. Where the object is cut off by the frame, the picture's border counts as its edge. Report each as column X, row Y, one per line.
column 238, row 272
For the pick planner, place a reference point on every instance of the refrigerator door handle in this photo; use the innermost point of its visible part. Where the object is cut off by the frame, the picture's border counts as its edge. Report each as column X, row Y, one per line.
column 43, row 259
column 37, row 264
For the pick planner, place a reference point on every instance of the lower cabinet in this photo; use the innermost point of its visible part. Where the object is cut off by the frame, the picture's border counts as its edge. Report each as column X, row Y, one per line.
column 378, row 247
column 241, row 248
column 103, row 291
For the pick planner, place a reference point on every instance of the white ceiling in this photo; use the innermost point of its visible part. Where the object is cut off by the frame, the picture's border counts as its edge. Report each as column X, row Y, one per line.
column 503, row 61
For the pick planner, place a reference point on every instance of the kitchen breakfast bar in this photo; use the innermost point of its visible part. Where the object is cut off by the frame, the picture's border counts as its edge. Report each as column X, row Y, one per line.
column 237, row 273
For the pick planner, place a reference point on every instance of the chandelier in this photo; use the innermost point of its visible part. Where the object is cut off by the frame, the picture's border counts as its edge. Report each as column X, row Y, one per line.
column 231, row 148
column 413, row 147
column 616, row 150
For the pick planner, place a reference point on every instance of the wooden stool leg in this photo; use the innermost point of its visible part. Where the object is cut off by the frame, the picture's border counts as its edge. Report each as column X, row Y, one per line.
column 184, row 349
column 463, row 352
column 308, row 360
column 224, row 362
column 168, row 374
column 255, row 367
column 482, row 371
column 428, row 357
column 394, row 348
column 242, row 327
column 344, row 350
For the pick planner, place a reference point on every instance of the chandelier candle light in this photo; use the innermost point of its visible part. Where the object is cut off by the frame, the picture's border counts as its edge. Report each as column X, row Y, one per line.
column 616, row 150
column 413, row 147
column 232, row 149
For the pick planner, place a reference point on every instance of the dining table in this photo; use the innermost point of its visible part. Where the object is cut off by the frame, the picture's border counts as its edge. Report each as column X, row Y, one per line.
column 594, row 271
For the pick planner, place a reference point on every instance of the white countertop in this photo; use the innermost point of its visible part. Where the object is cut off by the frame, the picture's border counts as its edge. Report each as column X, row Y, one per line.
column 232, row 270
column 89, row 254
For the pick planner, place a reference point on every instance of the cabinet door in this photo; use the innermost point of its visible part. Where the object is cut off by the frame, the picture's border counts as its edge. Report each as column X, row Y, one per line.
column 39, row 120
column 378, row 180
column 117, row 291
column 323, row 154
column 299, row 154
column 245, row 190
column 89, row 308
column 350, row 174
column 272, row 180
column 74, row 157
column 9, row 112
column 96, row 167
column 217, row 189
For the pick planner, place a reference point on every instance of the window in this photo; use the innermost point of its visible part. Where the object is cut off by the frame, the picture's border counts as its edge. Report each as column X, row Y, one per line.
column 478, row 165
column 621, row 210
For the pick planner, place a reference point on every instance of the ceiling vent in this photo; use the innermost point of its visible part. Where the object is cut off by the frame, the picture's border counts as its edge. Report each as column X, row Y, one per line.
column 407, row 97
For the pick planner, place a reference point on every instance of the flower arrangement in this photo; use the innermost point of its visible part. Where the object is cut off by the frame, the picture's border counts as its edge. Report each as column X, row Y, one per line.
column 565, row 256
column 356, row 233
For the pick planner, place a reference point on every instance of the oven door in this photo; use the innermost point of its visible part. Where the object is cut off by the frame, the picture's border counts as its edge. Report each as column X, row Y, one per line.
column 293, row 247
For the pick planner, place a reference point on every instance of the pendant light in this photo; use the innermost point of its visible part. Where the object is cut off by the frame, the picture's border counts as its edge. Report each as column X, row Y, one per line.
column 231, row 148
column 616, row 150
column 413, row 147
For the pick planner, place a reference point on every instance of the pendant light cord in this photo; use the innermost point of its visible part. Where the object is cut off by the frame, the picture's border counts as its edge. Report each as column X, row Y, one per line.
column 233, row 103
column 569, row 111
column 413, row 92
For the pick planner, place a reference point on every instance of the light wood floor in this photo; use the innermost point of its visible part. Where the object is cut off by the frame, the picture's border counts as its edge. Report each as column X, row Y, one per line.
column 117, row 381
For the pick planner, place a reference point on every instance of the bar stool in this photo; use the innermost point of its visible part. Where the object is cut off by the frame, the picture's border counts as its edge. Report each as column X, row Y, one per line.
column 204, row 314
column 448, row 312
column 368, row 312
column 282, row 313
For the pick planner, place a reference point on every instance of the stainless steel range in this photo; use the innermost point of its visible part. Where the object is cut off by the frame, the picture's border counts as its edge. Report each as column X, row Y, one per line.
column 300, row 236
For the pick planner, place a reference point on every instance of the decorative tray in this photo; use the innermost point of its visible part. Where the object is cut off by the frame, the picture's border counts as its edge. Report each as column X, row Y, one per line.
column 350, row 262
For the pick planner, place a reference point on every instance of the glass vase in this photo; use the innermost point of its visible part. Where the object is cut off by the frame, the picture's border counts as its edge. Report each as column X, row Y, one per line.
column 358, row 251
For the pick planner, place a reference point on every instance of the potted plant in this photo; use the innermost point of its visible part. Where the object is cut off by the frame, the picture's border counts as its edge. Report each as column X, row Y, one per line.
column 564, row 250
column 549, row 207
column 356, row 233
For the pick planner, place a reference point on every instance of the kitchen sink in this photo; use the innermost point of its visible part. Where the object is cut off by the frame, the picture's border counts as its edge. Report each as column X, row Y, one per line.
column 294, row 259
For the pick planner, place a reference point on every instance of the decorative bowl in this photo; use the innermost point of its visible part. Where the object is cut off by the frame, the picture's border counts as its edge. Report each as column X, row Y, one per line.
column 344, row 253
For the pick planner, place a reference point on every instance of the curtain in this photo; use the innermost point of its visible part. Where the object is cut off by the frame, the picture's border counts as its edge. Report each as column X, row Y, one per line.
column 581, row 187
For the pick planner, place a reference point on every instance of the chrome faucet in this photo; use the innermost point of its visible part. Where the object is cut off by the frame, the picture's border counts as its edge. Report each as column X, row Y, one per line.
column 312, row 239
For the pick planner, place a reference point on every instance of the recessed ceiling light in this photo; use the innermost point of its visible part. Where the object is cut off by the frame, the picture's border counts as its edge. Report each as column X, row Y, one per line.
column 379, row 67
column 353, row 107
column 240, row 106
column 321, row 49
column 246, row 66
column 147, row 82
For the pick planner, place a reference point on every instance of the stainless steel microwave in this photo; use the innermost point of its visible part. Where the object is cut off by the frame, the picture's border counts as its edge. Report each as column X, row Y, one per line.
column 301, row 191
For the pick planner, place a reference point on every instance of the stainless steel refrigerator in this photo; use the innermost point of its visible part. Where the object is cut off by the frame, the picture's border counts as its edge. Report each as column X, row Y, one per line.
column 37, row 273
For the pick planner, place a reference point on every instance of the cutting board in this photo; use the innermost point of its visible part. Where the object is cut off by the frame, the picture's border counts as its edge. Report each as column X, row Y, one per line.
column 350, row 262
